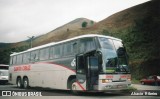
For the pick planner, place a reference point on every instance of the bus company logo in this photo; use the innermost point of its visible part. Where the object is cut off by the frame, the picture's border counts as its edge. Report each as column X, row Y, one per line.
column 123, row 76
column 6, row 93
column 22, row 68
column 109, row 76
column 73, row 63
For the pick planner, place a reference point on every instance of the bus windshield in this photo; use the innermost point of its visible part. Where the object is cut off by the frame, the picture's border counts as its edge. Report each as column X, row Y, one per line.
column 3, row 72
column 4, row 67
column 115, row 61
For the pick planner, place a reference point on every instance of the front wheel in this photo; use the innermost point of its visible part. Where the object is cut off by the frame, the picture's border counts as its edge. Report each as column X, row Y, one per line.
column 25, row 83
column 73, row 87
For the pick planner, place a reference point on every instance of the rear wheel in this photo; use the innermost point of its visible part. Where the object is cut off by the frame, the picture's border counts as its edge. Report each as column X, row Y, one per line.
column 19, row 82
column 25, row 83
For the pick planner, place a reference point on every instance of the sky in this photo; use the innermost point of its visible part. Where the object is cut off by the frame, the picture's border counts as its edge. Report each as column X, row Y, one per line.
column 20, row 19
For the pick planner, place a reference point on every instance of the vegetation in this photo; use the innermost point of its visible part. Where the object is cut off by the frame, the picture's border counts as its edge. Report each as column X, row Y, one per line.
column 84, row 24
column 5, row 53
column 142, row 43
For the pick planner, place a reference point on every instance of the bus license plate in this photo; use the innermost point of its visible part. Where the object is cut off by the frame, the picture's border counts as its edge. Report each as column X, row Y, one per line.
column 119, row 86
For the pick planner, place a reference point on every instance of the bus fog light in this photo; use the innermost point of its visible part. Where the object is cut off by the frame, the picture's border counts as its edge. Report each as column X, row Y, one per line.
column 108, row 86
column 106, row 80
column 128, row 79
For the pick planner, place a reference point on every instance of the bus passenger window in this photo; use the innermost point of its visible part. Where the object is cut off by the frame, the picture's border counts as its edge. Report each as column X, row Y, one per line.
column 87, row 44
column 19, row 59
column 44, row 54
column 26, row 57
column 68, row 49
column 75, row 47
column 34, row 55
column 55, row 51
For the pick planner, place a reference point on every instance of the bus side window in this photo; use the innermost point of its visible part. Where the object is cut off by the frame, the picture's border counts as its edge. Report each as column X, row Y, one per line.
column 87, row 44
column 51, row 52
column 26, row 57
column 75, row 47
column 44, row 54
column 55, row 51
column 34, row 55
column 68, row 49
column 14, row 59
column 19, row 59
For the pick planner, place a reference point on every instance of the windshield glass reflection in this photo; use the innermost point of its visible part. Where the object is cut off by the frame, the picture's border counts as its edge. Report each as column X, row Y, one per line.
column 113, row 62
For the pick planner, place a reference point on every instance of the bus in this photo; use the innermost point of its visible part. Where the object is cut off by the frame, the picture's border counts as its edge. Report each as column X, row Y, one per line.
column 4, row 73
column 89, row 62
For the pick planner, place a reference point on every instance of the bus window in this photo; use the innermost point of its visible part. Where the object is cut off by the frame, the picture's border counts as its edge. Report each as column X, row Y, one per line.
column 106, row 43
column 34, row 55
column 87, row 44
column 68, row 49
column 55, row 51
column 44, row 54
column 26, row 57
column 19, row 59
column 75, row 47
column 14, row 59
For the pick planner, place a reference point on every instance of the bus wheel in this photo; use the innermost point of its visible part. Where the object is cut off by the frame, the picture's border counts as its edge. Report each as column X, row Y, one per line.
column 73, row 87
column 25, row 83
column 19, row 83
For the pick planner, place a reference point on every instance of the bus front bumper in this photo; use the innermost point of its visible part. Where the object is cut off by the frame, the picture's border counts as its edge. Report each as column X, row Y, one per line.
column 114, row 86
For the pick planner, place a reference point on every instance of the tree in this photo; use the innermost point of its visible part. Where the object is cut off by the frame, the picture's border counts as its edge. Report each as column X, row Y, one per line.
column 84, row 24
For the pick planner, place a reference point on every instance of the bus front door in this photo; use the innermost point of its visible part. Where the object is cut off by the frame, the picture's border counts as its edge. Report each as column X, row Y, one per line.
column 87, row 71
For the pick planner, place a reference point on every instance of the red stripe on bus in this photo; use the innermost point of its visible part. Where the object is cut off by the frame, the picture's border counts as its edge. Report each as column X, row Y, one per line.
column 81, row 86
column 66, row 68
column 58, row 65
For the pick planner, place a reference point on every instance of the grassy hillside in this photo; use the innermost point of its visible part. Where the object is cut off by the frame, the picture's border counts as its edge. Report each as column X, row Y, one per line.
column 138, row 27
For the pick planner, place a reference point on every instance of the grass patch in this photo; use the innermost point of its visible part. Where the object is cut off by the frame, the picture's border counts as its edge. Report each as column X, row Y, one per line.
column 135, row 81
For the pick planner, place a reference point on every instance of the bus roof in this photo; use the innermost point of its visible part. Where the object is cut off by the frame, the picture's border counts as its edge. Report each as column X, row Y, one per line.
column 63, row 41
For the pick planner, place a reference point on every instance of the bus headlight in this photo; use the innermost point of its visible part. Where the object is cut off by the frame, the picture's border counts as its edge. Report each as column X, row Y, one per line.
column 106, row 80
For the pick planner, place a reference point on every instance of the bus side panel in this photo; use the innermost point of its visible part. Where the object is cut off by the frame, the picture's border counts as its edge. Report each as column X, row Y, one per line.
column 52, row 76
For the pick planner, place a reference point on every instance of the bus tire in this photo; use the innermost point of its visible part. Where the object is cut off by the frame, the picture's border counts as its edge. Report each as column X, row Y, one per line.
column 25, row 83
column 73, row 87
column 19, row 82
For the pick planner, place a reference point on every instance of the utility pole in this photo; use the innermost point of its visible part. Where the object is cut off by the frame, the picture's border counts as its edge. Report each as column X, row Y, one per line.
column 31, row 40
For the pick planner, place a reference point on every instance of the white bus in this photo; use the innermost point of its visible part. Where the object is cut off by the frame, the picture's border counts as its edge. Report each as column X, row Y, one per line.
column 4, row 73
column 84, row 63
